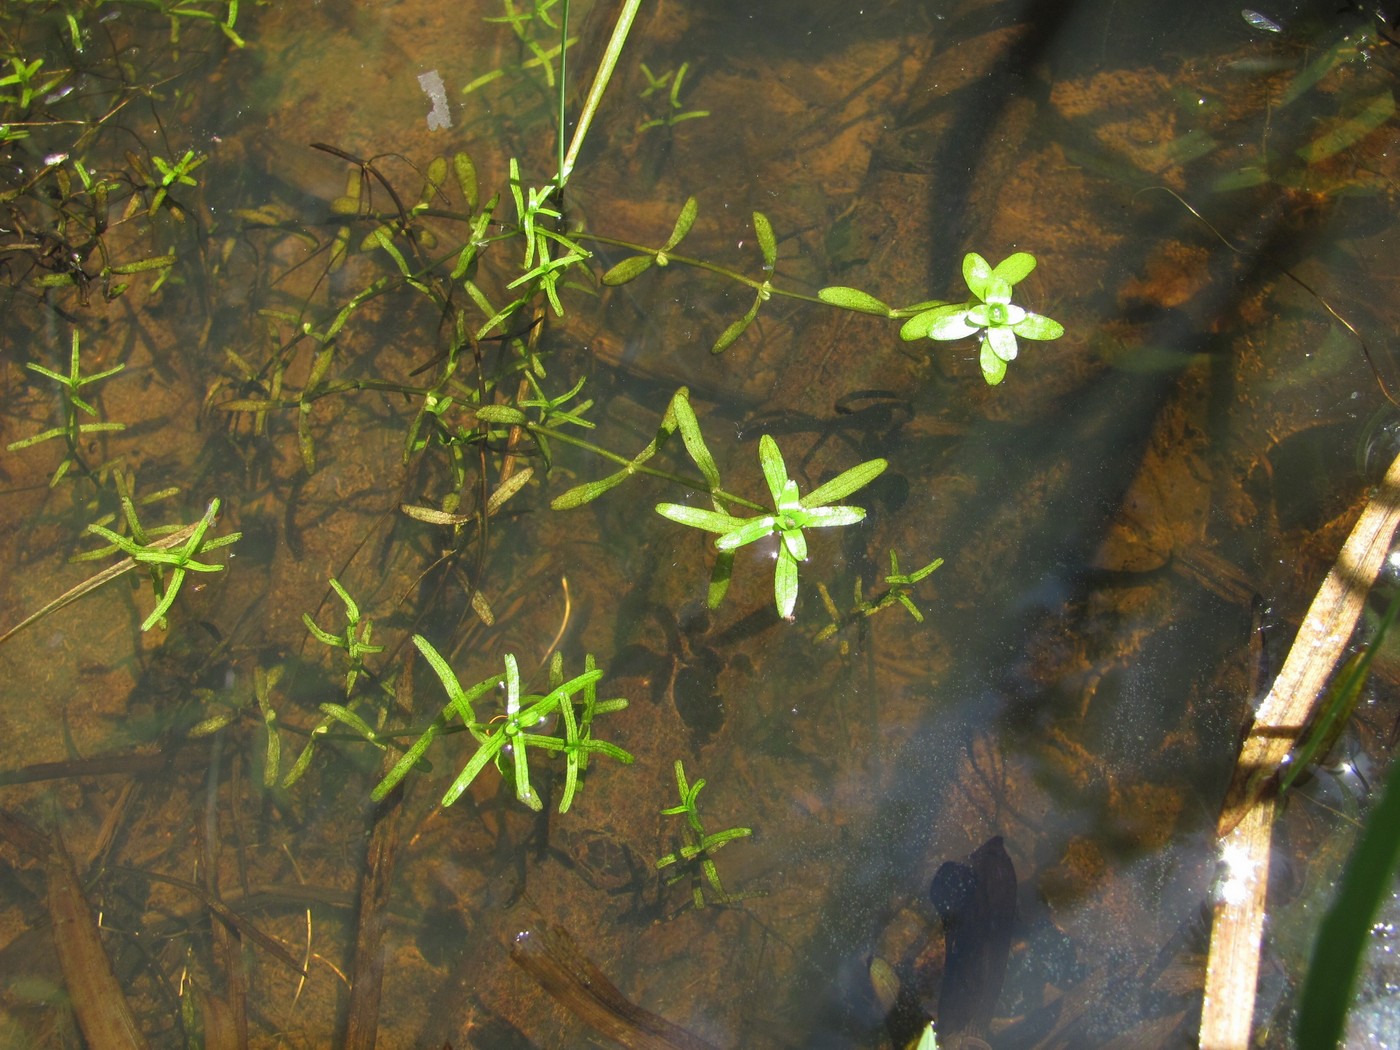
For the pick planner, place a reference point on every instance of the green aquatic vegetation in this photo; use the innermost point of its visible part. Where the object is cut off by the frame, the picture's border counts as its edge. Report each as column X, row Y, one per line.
column 899, row 591
column 174, row 173
column 355, row 639
column 675, row 112
column 696, row 853
column 989, row 314
column 72, row 429
column 25, row 79
column 506, row 738
column 791, row 514
column 160, row 557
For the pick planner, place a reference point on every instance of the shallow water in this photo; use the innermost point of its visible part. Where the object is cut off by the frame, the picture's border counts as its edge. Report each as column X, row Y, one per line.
column 1131, row 523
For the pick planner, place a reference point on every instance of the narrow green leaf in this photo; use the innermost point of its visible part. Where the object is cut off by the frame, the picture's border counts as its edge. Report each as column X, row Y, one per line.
column 158, row 262
column 589, row 491
column 1345, row 931
column 684, row 222
column 749, row 531
column 629, row 269
column 484, row 754
column 845, row 483
column 694, row 442
column 825, row 517
column 770, row 458
column 506, row 415
column 785, row 583
column 1345, row 133
column 720, row 576
column 729, row 335
column 465, row 171
column 853, row 299
column 699, row 517
column 766, row 241
column 738, row 328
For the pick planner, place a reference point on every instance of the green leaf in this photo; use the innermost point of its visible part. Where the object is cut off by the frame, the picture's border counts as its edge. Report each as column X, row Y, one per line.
column 1348, row 132
column 774, row 469
column 684, row 222
column 629, row 269
column 488, row 750
column 720, row 576
column 795, row 543
column 699, row 517
column 825, row 517
column 157, row 262
column 976, row 272
column 854, row 299
column 465, row 171
column 993, row 367
column 1345, row 931
column 734, row 331
column 695, row 442
column 1036, row 326
column 1015, row 268
column 766, row 241
column 588, row 491
column 921, row 325
column 748, row 532
column 951, row 324
column 785, row 583
column 845, row 483
column 502, row 414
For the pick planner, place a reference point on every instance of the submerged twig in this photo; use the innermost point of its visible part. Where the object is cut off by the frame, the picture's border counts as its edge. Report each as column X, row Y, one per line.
column 552, row 958
column 93, row 990
column 1246, row 819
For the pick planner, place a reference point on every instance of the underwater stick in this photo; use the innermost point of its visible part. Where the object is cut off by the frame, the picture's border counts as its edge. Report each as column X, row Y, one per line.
column 1246, row 818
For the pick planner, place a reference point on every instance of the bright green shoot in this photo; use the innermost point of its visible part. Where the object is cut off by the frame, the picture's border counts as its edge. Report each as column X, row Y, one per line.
column 676, row 112
column 71, row 430
column 506, row 738
column 354, row 640
column 160, row 557
column 791, row 514
column 177, row 173
column 898, row 592
column 990, row 314
column 696, row 854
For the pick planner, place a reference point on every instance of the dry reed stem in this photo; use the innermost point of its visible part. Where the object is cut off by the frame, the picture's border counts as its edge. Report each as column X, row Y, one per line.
column 1246, row 819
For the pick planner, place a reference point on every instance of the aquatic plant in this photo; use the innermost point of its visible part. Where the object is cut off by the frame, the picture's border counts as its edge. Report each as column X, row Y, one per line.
column 899, row 589
column 791, row 514
column 72, row 429
column 354, row 639
column 696, row 854
column 504, row 739
column 160, row 552
column 989, row 314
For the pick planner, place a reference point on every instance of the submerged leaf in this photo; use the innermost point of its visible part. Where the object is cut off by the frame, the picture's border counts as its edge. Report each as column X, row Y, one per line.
column 766, row 241
column 629, row 269
column 853, row 299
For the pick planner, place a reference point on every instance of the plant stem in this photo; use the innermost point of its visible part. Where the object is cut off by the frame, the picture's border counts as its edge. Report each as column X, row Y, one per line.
column 642, row 468
column 600, row 84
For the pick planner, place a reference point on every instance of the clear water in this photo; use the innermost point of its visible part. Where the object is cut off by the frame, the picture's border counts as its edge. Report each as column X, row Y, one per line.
column 1117, row 520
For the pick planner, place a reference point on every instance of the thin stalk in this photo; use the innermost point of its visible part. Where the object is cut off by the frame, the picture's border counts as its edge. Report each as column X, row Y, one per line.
column 642, row 468
column 600, row 84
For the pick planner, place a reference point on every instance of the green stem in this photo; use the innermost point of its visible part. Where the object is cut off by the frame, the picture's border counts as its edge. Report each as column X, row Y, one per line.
column 600, row 84
column 642, row 468
column 701, row 264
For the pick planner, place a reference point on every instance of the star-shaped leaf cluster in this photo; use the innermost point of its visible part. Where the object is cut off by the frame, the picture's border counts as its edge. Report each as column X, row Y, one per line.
column 791, row 514
column 990, row 313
